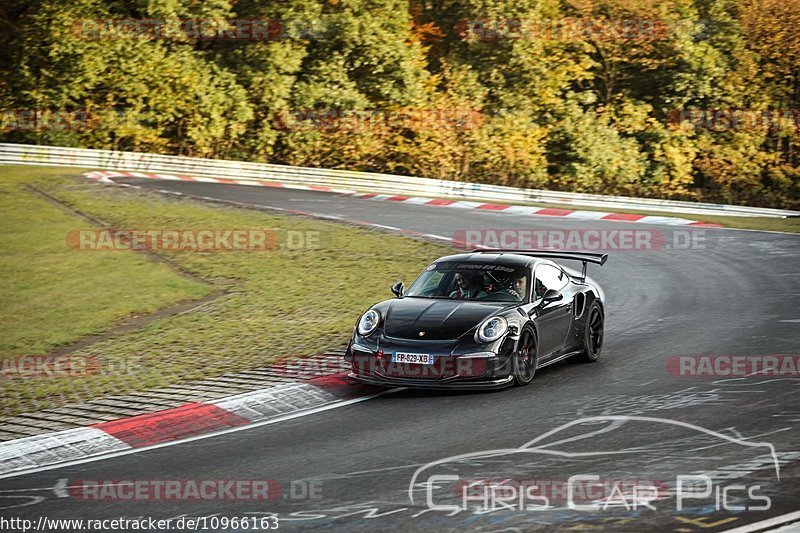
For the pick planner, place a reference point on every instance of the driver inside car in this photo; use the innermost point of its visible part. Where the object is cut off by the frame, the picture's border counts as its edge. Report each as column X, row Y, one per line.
column 468, row 286
column 519, row 285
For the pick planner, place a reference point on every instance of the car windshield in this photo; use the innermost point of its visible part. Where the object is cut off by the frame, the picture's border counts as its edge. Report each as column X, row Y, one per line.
column 472, row 281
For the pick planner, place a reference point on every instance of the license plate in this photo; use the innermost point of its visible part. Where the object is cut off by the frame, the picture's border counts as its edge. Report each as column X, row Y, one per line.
column 413, row 358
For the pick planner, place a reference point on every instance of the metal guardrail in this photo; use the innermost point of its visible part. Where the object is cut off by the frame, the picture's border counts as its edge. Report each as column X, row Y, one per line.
column 360, row 181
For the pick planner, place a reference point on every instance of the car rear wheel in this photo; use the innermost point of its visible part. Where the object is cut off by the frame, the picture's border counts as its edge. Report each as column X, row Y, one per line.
column 593, row 334
column 525, row 359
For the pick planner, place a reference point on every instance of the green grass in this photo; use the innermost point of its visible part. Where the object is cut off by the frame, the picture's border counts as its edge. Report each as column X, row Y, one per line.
column 279, row 303
column 53, row 294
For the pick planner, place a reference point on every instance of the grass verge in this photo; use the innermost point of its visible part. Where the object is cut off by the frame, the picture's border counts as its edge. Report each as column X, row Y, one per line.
column 279, row 303
column 52, row 294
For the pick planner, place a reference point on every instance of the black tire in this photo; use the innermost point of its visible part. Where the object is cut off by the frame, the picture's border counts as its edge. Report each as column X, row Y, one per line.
column 525, row 359
column 593, row 334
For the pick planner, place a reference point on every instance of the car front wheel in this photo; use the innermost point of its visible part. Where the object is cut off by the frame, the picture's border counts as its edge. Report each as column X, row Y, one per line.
column 525, row 359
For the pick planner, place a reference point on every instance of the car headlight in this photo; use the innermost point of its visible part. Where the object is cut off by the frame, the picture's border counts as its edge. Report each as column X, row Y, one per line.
column 491, row 329
column 368, row 322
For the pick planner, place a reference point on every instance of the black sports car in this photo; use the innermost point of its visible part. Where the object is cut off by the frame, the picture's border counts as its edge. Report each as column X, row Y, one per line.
column 485, row 319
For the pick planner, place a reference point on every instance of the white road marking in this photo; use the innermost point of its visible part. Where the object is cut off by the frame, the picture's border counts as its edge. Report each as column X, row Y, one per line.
column 120, row 453
column 768, row 523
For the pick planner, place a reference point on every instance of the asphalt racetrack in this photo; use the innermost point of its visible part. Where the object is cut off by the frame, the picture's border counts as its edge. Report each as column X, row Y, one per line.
column 630, row 416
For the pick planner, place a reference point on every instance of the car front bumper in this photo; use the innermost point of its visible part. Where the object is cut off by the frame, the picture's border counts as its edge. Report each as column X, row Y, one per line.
column 453, row 384
column 457, row 365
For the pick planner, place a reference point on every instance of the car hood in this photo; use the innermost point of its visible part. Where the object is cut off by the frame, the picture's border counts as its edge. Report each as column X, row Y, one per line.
column 438, row 319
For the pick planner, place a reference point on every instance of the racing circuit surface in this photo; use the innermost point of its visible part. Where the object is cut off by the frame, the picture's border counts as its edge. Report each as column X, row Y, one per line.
column 737, row 295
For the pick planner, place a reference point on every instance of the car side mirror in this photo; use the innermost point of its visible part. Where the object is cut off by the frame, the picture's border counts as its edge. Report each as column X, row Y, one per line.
column 398, row 288
column 552, row 295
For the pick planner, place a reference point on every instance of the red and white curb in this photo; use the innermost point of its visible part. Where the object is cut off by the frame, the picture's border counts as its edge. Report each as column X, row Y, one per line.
column 186, row 422
column 106, row 175
column 536, row 211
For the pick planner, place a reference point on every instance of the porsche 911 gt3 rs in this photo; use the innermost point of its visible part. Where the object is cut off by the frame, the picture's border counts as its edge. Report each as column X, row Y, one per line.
column 485, row 319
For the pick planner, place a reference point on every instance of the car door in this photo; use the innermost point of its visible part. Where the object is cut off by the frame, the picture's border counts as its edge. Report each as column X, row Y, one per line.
column 554, row 318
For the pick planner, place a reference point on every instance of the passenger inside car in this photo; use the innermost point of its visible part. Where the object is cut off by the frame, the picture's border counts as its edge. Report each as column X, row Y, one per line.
column 520, row 285
column 468, row 286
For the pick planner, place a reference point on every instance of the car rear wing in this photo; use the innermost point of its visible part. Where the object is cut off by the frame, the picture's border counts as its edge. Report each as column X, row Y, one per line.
column 584, row 257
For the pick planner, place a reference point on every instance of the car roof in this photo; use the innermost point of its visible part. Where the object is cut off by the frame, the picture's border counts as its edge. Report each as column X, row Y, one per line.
column 509, row 259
